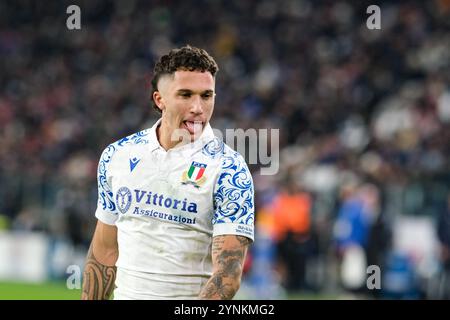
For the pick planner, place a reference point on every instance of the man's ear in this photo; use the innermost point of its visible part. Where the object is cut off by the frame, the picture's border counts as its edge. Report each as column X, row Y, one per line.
column 158, row 99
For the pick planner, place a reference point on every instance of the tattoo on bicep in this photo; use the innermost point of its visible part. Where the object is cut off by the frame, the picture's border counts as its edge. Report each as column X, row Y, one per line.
column 98, row 279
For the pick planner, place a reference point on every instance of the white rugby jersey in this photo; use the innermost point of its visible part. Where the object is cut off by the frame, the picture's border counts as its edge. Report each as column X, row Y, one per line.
column 167, row 206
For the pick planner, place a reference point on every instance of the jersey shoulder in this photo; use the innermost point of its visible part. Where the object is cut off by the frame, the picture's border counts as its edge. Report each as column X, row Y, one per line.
column 217, row 149
column 122, row 145
column 229, row 159
column 138, row 138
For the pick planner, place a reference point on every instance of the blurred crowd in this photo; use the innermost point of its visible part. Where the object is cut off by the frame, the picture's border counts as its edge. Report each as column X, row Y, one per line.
column 364, row 119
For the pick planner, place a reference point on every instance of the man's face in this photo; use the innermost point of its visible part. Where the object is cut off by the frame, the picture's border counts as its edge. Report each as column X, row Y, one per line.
column 186, row 99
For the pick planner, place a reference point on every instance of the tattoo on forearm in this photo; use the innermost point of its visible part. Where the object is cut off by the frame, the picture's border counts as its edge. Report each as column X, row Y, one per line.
column 217, row 245
column 98, row 279
column 225, row 281
column 243, row 240
column 215, row 288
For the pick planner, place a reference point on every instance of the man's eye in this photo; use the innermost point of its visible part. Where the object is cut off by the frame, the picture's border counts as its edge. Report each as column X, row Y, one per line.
column 186, row 95
column 207, row 96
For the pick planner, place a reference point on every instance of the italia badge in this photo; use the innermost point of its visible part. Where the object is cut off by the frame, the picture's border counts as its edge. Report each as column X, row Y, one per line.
column 194, row 175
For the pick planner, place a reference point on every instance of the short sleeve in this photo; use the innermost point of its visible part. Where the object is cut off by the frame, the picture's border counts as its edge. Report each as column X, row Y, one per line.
column 106, row 207
column 234, row 199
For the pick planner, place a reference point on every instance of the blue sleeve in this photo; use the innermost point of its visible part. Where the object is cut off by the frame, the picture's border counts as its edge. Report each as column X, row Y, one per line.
column 106, row 206
column 234, row 198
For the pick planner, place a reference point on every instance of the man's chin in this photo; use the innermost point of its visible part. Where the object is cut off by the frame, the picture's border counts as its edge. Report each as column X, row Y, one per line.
column 185, row 135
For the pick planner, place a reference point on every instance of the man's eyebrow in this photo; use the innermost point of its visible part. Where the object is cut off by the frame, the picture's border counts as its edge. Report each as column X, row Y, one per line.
column 190, row 91
column 184, row 91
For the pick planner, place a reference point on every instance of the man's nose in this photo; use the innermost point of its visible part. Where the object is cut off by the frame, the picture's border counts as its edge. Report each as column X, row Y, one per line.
column 197, row 106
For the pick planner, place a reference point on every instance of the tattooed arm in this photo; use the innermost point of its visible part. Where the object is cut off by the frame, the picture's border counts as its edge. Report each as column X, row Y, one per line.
column 228, row 254
column 100, row 272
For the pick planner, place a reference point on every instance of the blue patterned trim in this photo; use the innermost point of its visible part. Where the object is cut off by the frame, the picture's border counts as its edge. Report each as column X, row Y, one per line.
column 233, row 196
column 105, row 194
column 213, row 148
column 137, row 138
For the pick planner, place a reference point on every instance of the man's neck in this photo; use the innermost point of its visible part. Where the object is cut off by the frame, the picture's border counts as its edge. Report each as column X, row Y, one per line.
column 168, row 139
column 164, row 139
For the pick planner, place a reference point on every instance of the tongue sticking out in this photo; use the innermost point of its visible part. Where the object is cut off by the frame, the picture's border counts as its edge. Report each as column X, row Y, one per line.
column 194, row 127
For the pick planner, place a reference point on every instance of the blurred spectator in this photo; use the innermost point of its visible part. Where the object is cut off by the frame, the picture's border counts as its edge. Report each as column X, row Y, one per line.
column 358, row 211
column 291, row 210
column 353, row 220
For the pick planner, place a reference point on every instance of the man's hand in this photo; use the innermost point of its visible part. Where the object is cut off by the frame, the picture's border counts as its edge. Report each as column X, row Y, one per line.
column 228, row 255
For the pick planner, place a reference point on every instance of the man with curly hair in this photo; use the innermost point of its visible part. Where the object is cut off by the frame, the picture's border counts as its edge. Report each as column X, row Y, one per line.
column 175, row 204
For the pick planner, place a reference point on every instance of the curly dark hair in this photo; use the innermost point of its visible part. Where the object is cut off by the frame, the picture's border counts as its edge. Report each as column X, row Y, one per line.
column 185, row 58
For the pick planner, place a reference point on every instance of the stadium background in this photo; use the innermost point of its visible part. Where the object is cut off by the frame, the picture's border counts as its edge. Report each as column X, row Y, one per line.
column 364, row 134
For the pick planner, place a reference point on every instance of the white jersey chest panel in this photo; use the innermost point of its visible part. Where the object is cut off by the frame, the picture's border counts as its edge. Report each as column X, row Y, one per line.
column 168, row 187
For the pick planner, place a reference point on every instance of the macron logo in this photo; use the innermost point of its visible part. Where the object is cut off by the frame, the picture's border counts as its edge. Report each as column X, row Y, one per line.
column 133, row 163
